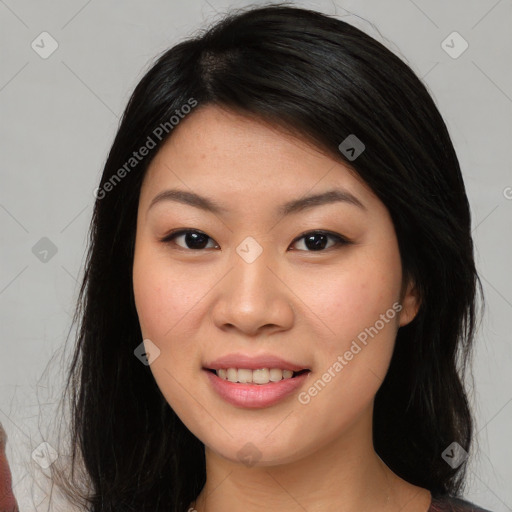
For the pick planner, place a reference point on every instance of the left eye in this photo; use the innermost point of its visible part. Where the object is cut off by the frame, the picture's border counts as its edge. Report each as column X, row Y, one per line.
column 314, row 240
column 196, row 239
column 317, row 240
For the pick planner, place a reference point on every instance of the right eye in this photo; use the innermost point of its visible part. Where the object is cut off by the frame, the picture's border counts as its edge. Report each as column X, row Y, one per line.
column 193, row 239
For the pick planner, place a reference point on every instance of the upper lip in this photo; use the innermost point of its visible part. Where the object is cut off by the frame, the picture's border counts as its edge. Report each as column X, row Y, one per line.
column 253, row 362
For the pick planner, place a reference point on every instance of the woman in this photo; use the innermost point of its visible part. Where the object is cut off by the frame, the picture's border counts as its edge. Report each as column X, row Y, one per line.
column 279, row 285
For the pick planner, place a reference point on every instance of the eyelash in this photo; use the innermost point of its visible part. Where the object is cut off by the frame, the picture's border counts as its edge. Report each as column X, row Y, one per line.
column 339, row 240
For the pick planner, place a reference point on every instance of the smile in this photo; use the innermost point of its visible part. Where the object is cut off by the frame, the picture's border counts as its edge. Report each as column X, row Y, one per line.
column 258, row 376
column 252, row 395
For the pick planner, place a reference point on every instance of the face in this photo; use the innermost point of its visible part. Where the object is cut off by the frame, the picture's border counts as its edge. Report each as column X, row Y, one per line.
column 317, row 286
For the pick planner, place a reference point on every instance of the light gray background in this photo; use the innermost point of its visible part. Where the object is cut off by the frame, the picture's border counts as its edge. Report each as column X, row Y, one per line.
column 58, row 119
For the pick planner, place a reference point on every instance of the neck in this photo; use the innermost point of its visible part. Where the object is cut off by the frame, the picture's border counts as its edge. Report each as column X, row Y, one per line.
column 346, row 475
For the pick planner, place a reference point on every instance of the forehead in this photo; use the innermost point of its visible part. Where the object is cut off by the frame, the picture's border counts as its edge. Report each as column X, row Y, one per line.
column 225, row 154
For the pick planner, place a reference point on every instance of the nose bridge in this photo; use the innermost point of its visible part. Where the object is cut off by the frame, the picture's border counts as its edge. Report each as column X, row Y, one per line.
column 252, row 277
column 253, row 296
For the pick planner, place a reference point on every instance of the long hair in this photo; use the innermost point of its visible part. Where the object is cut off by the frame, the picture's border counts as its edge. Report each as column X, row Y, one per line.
column 321, row 79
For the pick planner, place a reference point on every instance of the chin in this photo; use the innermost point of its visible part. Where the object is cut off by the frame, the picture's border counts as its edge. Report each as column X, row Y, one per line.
column 256, row 451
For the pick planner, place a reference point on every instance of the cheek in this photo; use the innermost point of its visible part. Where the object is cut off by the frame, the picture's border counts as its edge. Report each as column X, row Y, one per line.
column 163, row 294
column 358, row 306
column 153, row 301
column 352, row 296
column 163, row 298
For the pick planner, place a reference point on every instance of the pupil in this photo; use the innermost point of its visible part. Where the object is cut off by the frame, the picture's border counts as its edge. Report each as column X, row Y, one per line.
column 315, row 241
column 318, row 244
column 196, row 240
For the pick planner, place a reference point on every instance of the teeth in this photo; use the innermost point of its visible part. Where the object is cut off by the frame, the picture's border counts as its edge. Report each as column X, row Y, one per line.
column 260, row 376
column 244, row 376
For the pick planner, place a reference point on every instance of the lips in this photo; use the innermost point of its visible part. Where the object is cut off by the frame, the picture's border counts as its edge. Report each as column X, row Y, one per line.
column 253, row 363
column 251, row 395
column 256, row 396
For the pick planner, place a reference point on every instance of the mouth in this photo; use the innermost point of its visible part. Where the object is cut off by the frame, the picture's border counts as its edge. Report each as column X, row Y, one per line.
column 260, row 376
column 258, row 388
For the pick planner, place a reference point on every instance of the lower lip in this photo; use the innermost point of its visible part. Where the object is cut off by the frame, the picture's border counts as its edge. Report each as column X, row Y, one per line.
column 255, row 395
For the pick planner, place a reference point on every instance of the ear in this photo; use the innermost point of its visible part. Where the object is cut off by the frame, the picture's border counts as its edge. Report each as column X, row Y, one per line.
column 411, row 302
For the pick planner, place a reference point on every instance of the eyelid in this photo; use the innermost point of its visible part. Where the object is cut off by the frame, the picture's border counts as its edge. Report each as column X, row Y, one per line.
column 171, row 235
column 340, row 240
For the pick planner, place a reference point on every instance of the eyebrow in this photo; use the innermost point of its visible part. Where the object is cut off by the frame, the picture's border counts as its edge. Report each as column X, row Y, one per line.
column 288, row 208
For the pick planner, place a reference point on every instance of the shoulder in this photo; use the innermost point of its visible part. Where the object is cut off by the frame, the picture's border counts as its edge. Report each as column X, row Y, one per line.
column 452, row 504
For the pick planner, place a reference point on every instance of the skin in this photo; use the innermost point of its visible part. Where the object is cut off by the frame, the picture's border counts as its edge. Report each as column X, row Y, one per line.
column 303, row 305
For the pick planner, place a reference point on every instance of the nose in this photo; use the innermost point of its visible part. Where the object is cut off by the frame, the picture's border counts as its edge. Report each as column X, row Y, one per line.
column 254, row 299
